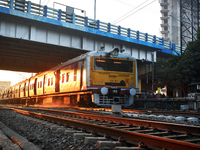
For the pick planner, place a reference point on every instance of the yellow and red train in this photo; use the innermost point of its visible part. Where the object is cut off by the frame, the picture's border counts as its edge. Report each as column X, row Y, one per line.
column 98, row 77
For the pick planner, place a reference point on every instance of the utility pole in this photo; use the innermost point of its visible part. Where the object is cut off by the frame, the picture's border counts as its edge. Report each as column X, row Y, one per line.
column 94, row 9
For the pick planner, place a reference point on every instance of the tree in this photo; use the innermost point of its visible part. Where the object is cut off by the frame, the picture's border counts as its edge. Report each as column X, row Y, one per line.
column 166, row 72
column 181, row 70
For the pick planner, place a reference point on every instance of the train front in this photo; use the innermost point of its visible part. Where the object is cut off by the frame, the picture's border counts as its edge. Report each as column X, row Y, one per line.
column 113, row 78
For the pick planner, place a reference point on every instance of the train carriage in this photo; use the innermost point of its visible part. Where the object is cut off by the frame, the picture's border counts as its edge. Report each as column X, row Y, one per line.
column 32, row 87
column 112, row 78
column 26, row 92
column 49, row 86
column 10, row 93
column 100, row 77
column 39, row 85
column 22, row 89
column 17, row 91
column 13, row 92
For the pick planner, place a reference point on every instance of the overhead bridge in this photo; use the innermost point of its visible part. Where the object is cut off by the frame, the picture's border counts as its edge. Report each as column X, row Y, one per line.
column 34, row 37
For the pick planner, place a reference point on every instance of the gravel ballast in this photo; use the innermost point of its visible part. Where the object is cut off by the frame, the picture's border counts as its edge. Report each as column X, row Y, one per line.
column 40, row 134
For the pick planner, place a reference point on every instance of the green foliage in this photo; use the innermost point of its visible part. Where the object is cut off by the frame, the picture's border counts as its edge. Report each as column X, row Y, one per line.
column 182, row 70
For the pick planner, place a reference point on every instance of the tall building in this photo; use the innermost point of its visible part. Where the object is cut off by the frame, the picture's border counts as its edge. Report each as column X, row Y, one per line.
column 180, row 20
column 170, row 25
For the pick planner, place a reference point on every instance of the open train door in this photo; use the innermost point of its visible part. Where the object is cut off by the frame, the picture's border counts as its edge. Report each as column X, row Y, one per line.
column 57, row 80
column 45, row 84
column 24, row 89
column 81, row 75
column 35, row 87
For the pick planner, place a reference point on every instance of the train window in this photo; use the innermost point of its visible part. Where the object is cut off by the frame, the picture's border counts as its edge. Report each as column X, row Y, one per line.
column 31, row 86
column 63, row 78
column 21, row 88
column 27, row 87
column 113, row 65
column 67, row 77
column 75, row 71
column 16, row 91
column 40, row 84
column 49, row 82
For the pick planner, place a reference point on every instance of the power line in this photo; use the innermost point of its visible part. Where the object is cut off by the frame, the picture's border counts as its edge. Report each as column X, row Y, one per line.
column 124, row 3
column 129, row 12
column 119, row 20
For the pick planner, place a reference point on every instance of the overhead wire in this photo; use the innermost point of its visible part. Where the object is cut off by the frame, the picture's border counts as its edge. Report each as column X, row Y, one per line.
column 130, row 11
column 128, row 15
column 124, row 3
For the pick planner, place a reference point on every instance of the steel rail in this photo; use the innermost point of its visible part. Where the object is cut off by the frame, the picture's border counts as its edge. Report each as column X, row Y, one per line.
column 130, row 137
column 164, row 125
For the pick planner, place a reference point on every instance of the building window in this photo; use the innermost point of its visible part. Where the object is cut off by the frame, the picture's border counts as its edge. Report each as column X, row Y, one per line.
column 165, row 21
column 165, row 14
column 165, row 28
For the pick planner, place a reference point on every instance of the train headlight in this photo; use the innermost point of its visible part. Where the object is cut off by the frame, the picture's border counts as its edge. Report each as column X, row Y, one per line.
column 130, row 85
column 104, row 90
column 115, row 52
column 132, row 91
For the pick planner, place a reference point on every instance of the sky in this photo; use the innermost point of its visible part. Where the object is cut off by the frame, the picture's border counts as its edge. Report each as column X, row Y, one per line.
column 142, row 15
column 139, row 15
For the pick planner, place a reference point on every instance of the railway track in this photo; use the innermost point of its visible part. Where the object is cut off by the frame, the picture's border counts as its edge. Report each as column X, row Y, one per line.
column 146, row 134
column 157, row 112
column 180, row 117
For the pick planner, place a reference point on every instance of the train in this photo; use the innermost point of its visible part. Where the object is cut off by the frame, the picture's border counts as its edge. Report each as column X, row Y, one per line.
column 98, row 78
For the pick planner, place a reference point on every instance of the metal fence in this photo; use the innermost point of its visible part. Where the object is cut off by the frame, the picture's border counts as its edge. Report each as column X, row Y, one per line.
column 58, row 14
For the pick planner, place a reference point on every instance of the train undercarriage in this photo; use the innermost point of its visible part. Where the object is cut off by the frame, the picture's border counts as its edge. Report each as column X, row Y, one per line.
column 87, row 99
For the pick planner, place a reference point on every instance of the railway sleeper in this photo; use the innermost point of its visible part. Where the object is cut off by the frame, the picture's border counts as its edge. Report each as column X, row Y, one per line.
column 107, row 144
column 196, row 140
column 161, row 133
column 122, row 127
column 145, row 131
column 128, row 148
column 94, row 139
column 178, row 137
column 117, row 145
column 78, row 136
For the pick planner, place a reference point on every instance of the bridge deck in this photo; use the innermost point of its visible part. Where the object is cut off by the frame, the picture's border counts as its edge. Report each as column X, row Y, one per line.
column 58, row 17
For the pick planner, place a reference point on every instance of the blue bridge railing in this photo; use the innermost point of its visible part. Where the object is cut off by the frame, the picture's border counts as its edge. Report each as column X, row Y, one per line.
column 58, row 14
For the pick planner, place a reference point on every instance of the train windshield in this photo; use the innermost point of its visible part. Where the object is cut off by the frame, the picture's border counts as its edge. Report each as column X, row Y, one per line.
column 113, row 65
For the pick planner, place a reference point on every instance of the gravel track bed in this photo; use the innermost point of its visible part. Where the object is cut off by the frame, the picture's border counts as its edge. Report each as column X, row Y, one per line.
column 41, row 135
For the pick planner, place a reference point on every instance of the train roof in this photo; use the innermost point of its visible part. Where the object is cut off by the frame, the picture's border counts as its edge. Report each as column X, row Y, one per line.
column 105, row 54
